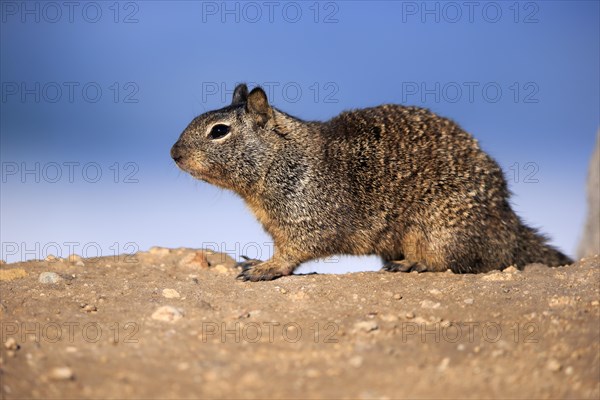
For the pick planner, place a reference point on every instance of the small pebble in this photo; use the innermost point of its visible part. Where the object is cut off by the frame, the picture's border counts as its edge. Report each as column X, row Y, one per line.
column 569, row 370
column 49, row 277
column 496, row 276
column 511, row 270
column 356, row 361
column 460, row 347
column 468, row 301
column 389, row 317
column 183, row 366
column 435, row 292
column 497, row 353
column 410, row 315
column 444, row 364
column 313, row 373
column 595, row 302
column 397, row 296
column 79, row 263
column 430, row 304
column 195, row 260
column 159, row 251
column 167, row 314
column 553, row 365
column 366, row 326
column 61, row 374
column 220, row 268
column 89, row 308
column 73, row 258
column 254, row 313
column 11, row 344
column 170, row 293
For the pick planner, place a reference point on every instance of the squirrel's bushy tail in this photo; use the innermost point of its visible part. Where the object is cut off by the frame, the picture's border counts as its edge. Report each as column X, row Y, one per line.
column 533, row 248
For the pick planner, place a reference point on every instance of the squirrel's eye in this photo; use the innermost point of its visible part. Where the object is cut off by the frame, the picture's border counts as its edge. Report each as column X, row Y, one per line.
column 218, row 131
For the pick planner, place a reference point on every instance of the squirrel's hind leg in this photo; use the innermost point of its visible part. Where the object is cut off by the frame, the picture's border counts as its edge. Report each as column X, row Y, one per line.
column 415, row 253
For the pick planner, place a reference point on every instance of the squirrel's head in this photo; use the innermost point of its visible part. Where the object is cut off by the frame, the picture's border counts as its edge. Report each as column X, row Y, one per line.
column 232, row 147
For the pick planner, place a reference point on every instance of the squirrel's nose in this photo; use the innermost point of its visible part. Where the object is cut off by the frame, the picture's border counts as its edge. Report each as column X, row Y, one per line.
column 176, row 153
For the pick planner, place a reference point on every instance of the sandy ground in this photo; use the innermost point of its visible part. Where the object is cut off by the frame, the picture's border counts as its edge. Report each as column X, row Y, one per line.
column 176, row 324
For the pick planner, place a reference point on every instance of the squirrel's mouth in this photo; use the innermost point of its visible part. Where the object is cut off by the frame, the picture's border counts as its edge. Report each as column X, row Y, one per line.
column 187, row 164
column 202, row 174
column 183, row 165
column 184, row 159
column 196, row 168
column 194, row 171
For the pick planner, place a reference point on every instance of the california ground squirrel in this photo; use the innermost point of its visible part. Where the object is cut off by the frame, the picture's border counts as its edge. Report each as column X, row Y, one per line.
column 399, row 182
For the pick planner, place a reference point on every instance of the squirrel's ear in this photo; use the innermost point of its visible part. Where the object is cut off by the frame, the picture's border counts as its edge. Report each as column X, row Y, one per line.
column 240, row 94
column 259, row 105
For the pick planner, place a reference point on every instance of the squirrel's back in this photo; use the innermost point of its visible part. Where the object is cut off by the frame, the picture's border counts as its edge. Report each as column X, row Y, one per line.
column 409, row 165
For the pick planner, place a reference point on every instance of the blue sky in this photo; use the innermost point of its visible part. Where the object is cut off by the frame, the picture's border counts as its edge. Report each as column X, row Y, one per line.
column 99, row 88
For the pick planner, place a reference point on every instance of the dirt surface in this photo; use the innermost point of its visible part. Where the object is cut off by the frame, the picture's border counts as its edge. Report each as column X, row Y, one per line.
column 176, row 324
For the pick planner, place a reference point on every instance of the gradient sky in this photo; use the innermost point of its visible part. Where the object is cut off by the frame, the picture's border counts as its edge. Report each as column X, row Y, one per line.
column 98, row 88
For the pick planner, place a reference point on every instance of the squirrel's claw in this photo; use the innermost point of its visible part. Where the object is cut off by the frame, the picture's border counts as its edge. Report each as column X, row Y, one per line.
column 257, row 270
column 246, row 266
column 404, row 266
column 247, row 263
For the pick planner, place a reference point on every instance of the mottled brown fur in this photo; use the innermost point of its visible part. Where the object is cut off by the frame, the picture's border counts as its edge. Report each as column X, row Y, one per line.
column 396, row 181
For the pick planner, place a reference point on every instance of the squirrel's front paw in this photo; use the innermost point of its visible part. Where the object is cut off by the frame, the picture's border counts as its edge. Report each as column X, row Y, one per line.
column 257, row 270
